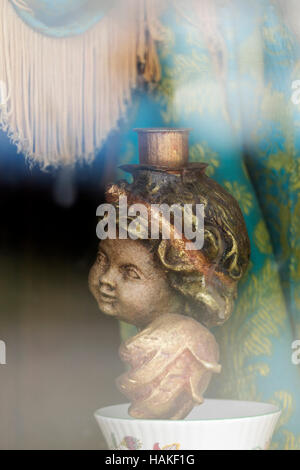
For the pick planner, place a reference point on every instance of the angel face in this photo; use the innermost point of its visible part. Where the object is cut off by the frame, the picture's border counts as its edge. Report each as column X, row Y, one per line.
column 128, row 284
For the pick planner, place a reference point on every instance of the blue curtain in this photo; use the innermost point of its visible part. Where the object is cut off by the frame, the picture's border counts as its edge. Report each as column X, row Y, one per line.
column 60, row 18
column 244, row 127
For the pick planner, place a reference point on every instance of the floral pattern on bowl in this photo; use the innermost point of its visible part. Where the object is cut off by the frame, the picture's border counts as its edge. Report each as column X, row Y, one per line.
column 132, row 443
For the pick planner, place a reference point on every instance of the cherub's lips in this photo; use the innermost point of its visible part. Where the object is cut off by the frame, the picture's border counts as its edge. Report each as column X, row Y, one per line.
column 110, row 299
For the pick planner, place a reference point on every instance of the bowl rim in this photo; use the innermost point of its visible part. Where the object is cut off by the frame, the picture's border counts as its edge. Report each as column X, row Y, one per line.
column 98, row 413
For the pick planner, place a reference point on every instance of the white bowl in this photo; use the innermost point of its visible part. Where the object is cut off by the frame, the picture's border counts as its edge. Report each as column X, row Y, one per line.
column 214, row 425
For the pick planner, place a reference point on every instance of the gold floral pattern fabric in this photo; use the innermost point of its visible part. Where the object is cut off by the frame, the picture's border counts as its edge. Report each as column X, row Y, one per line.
column 245, row 127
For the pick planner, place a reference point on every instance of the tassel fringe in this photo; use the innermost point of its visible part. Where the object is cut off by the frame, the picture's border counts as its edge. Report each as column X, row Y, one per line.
column 60, row 98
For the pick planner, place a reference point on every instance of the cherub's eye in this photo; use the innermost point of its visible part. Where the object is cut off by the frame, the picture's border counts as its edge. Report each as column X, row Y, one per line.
column 130, row 272
column 101, row 257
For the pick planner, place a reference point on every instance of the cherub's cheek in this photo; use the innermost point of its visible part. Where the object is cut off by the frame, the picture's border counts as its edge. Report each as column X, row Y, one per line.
column 93, row 276
column 131, row 294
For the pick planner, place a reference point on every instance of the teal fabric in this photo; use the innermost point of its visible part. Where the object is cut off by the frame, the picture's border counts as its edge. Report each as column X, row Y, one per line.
column 61, row 18
column 247, row 135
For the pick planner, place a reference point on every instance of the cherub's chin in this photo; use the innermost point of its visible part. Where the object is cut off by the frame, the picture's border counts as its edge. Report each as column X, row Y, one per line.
column 108, row 308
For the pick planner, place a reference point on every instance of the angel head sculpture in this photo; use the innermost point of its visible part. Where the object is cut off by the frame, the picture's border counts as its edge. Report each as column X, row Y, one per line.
column 171, row 293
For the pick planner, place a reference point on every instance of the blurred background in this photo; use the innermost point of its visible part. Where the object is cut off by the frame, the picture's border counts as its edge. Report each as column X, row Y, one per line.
column 62, row 353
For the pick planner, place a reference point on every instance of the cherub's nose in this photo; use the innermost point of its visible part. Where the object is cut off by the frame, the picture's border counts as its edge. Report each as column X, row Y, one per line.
column 106, row 288
column 108, row 280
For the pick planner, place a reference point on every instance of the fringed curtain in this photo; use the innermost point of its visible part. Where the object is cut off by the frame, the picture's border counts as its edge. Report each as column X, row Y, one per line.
column 60, row 97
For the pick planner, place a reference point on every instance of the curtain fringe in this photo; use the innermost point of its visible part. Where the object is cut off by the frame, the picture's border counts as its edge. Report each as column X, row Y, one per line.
column 60, row 98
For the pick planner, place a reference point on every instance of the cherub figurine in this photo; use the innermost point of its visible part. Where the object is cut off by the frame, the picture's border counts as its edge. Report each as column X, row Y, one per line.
column 172, row 294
